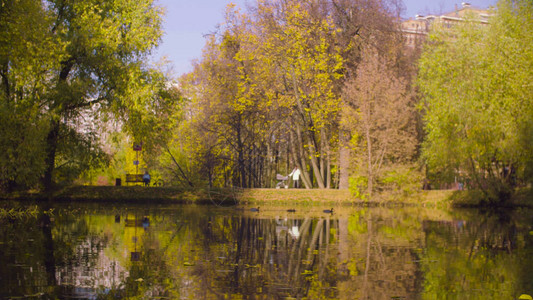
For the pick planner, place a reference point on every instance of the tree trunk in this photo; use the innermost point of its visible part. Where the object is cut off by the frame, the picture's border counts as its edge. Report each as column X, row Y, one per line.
column 328, row 172
column 51, row 150
column 240, row 159
column 301, row 163
column 53, row 135
column 315, row 164
column 326, row 157
column 369, row 165
column 266, row 169
column 322, row 158
column 48, row 245
column 344, row 160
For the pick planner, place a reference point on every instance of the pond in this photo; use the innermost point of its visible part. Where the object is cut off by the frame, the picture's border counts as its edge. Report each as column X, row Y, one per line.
column 101, row 251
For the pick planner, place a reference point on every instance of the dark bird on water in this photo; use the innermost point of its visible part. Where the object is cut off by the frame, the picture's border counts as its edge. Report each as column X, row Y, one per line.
column 291, row 210
column 328, row 211
column 254, row 209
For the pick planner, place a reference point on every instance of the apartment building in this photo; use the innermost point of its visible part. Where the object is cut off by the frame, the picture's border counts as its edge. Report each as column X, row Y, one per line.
column 415, row 30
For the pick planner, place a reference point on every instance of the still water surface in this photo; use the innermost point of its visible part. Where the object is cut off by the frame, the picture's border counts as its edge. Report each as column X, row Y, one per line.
column 85, row 251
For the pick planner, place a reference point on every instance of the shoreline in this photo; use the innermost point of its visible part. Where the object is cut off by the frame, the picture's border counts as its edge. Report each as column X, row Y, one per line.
column 291, row 197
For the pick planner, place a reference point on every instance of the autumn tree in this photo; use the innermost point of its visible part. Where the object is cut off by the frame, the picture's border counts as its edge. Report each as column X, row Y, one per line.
column 268, row 88
column 299, row 48
column 364, row 24
column 229, row 115
column 379, row 112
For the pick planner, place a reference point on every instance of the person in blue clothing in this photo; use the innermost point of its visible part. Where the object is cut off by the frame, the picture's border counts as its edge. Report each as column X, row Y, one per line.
column 146, row 178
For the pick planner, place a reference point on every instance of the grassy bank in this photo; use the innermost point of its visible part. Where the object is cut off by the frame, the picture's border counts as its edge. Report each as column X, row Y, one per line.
column 119, row 194
column 473, row 198
column 292, row 197
column 140, row 194
column 341, row 197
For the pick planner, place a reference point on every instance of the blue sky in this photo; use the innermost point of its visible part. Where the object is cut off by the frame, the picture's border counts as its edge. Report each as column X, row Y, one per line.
column 187, row 21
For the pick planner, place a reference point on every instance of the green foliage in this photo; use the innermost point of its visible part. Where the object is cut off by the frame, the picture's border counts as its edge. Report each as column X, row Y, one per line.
column 22, row 145
column 359, row 187
column 402, row 180
column 473, row 258
column 77, row 154
column 67, row 66
column 357, row 223
column 477, row 96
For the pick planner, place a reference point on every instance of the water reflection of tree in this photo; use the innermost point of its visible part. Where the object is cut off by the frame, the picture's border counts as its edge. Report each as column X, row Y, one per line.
column 483, row 257
column 198, row 252
column 382, row 246
column 35, row 251
column 262, row 256
column 85, row 265
column 22, row 268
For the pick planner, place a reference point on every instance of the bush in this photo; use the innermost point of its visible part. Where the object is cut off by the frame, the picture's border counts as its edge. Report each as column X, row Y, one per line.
column 402, row 180
column 358, row 187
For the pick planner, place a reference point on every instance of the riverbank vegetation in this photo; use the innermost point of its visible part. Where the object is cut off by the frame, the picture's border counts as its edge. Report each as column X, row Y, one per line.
column 290, row 198
column 327, row 86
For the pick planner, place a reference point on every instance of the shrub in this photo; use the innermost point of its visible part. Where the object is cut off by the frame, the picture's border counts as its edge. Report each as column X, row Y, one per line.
column 358, row 187
column 402, row 180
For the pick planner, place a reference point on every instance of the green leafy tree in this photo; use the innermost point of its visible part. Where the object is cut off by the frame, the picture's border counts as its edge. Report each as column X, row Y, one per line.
column 76, row 61
column 476, row 87
column 27, row 57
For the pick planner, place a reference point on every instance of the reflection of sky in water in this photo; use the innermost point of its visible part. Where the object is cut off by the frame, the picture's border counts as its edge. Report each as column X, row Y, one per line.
column 91, row 269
